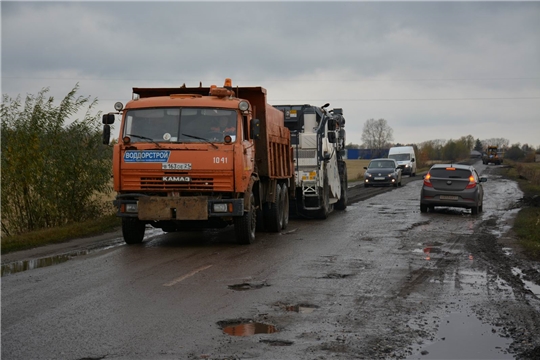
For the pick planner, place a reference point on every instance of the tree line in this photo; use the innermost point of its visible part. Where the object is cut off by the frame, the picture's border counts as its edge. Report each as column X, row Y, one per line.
column 53, row 169
column 378, row 135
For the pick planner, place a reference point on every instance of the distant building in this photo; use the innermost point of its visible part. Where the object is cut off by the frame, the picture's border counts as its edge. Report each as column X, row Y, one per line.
column 353, row 154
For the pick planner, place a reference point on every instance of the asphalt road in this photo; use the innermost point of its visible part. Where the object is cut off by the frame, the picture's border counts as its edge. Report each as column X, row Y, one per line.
column 379, row 280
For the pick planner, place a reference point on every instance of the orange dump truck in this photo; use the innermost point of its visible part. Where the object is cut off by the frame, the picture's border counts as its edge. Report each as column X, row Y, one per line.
column 201, row 157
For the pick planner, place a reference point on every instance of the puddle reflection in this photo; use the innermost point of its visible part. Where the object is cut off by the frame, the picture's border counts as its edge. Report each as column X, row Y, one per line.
column 463, row 336
column 249, row 329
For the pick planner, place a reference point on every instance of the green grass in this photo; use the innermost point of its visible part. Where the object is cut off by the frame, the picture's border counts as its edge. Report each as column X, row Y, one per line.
column 60, row 234
column 527, row 224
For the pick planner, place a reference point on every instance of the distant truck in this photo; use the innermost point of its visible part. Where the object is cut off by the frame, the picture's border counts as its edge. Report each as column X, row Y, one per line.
column 493, row 155
column 173, row 170
column 405, row 157
column 318, row 138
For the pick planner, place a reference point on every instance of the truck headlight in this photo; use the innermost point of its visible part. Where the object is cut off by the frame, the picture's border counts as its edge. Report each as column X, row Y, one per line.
column 220, row 208
column 131, row 208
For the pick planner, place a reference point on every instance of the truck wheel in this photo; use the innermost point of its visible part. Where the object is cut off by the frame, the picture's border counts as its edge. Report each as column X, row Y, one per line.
column 133, row 230
column 285, row 205
column 245, row 225
column 343, row 199
column 274, row 214
column 325, row 201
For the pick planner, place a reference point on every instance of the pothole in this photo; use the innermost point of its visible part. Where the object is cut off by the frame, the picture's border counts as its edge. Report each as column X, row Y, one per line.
column 336, row 276
column 245, row 327
column 301, row 308
column 277, row 342
column 247, row 286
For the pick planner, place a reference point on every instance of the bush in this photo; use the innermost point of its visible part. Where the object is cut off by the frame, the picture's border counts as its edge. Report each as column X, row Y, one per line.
column 51, row 169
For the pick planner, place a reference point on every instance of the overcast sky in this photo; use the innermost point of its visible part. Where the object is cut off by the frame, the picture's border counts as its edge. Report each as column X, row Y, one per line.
column 433, row 70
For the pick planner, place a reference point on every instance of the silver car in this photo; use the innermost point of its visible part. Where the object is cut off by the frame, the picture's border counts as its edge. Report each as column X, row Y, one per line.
column 382, row 172
column 452, row 185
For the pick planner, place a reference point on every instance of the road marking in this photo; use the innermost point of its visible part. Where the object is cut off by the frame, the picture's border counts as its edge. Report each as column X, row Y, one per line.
column 182, row 278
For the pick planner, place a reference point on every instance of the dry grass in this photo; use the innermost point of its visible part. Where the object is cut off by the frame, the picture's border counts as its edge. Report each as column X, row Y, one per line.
column 355, row 169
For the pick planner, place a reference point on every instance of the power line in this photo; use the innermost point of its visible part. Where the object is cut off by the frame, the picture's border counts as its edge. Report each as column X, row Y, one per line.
column 272, row 81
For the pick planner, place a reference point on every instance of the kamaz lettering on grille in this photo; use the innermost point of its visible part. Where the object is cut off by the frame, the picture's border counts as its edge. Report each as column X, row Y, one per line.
column 176, row 178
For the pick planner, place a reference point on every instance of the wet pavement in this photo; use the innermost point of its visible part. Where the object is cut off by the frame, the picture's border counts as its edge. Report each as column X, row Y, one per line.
column 378, row 281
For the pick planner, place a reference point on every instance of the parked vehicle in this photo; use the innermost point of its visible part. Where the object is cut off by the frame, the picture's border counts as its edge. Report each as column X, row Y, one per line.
column 382, row 172
column 405, row 157
column 175, row 169
column 452, row 185
column 493, row 155
column 318, row 138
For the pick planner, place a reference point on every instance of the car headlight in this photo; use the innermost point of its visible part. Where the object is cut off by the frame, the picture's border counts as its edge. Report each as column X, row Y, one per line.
column 367, row 175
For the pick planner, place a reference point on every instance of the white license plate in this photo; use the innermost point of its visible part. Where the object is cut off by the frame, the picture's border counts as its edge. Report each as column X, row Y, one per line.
column 176, row 166
column 448, row 197
column 379, row 178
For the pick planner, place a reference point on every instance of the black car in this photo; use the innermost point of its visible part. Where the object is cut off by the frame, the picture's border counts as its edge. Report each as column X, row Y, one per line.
column 382, row 172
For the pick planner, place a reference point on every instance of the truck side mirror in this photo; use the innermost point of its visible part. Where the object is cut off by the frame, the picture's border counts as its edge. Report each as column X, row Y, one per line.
column 332, row 137
column 412, row 160
column 255, row 129
column 108, row 119
column 106, row 134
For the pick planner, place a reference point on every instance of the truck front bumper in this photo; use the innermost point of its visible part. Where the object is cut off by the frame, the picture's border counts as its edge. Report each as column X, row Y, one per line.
column 157, row 208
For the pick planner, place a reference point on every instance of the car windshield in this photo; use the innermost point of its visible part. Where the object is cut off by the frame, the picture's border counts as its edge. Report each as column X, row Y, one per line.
column 381, row 164
column 400, row 157
column 453, row 174
column 187, row 125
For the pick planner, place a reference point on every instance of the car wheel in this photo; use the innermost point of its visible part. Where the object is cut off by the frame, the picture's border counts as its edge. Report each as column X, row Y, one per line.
column 366, row 185
column 423, row 208
column 474, row 210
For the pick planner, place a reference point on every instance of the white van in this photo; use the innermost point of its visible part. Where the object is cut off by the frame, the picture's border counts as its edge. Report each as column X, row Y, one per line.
column 405, row 157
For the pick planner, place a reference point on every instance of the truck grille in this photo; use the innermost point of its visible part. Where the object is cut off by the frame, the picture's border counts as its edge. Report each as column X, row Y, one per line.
column 200, row 181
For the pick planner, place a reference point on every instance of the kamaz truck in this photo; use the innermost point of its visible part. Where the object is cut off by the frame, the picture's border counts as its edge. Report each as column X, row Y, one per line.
column 318, row 140
column 174, row 169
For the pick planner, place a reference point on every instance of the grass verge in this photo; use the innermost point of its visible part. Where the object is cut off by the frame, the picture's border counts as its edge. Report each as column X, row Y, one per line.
column 59, row 234
column 527, row 224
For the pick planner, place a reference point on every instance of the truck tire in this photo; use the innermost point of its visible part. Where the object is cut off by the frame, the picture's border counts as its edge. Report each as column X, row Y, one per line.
column 324, row 211
column 285, row 205
column 343, row 199
column 274, row 214
column 133, row 230
column 245, row 225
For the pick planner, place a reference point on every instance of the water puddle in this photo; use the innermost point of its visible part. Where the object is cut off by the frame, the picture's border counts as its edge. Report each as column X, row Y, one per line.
column 301, row 308
column 246, row 328
column 463, row 336
column 24, row 265
column 535, row 289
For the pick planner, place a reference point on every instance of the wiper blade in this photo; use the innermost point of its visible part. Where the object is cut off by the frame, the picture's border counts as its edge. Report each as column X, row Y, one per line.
column 201, row 138
column 144, row 138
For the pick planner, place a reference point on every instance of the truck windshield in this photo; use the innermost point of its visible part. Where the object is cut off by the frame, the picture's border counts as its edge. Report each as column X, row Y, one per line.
column 185, row 125
column 400, row 157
